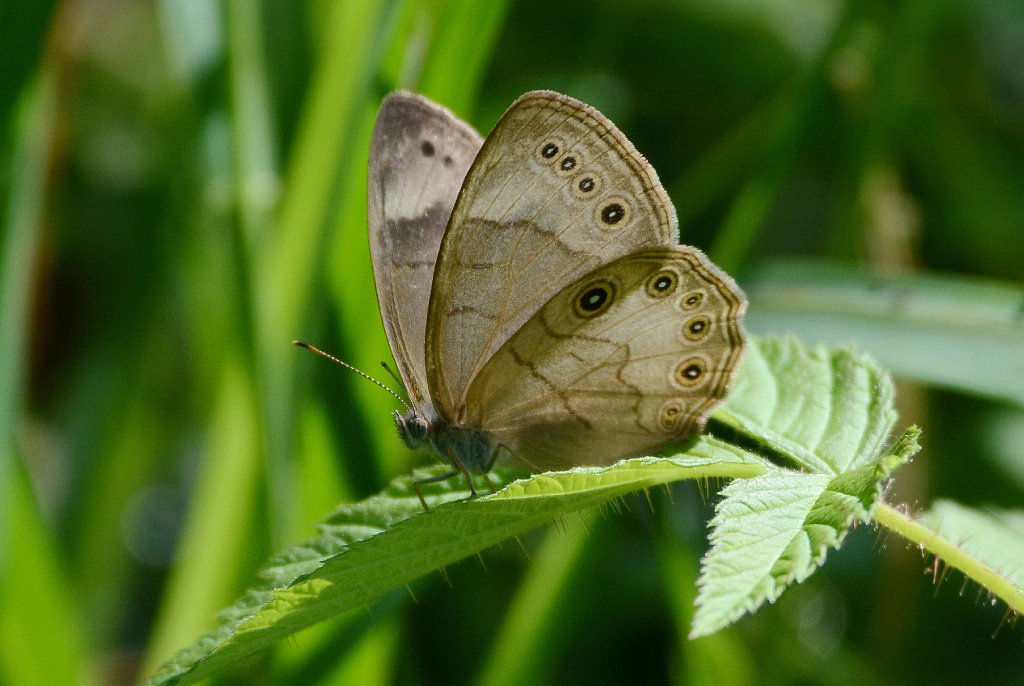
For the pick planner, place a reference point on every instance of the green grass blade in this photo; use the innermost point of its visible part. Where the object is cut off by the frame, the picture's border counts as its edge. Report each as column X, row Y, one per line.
column 916, row 325
column 42, row 641
column 212, row 553
column 717, row 660
column 516, row 655
column 19, row 244
column 286, row 269
column 23, row 28
column 255, row 164
column 454, row 66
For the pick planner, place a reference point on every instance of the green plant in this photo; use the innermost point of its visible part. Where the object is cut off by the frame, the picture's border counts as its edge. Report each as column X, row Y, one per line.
column 183, row 192
column 825, row 415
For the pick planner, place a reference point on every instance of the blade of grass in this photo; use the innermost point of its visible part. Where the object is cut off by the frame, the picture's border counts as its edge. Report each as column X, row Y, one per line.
column 254, row 145
column 23, row 218
column 897, row 68
column 286, row 270
column 41, row 638
column 768, row 142
column 439, row 57
column 455, row 64
column 23, row 28
column 718, row 659
column 517, row 654
column 211, row 557
column 126, row 458
column 916, row 325
column 235, row 153
column 354, row 650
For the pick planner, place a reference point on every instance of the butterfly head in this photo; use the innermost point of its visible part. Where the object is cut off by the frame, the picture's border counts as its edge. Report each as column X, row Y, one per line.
column 412, row 428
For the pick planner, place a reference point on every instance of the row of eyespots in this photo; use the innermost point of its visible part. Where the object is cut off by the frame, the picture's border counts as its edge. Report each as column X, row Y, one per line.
column 663, row 284
column 615, row 211
column 597, row 297
column 691, row 371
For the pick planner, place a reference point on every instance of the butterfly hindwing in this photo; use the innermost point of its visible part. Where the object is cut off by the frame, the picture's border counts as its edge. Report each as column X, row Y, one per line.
column 632, row 355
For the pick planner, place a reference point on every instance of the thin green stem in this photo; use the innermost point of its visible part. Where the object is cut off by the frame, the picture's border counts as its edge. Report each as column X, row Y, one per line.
column 950, row 553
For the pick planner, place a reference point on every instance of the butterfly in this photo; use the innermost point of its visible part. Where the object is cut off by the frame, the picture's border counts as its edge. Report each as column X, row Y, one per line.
column 537, row 302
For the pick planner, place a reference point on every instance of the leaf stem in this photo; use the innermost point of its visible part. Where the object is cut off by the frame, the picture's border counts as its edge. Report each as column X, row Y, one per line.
column 951, row 553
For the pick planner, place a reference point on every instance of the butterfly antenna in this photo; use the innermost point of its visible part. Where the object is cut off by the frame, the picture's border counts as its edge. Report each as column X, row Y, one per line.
column 394, row 376
column 346, row 365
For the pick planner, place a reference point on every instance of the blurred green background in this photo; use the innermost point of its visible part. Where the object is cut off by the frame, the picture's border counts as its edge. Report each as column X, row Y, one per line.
column 183, row 186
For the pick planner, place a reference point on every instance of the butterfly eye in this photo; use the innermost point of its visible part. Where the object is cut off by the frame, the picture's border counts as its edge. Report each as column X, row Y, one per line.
column 594, row 299
column 418, row 428
column 690, row 372
column 662, row 284
column 693, row 300
column 697, row 327
column 614, row 213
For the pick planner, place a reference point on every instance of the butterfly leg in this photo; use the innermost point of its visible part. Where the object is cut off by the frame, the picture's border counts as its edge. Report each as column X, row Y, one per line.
column 487, row 480
column 457, row 461
column 429, row 480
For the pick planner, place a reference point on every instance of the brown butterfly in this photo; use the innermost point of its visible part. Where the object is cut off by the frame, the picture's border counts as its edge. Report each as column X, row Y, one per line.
column 536, row 299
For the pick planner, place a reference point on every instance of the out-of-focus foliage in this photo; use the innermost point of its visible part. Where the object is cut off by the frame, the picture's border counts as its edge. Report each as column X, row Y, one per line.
column 183, row 184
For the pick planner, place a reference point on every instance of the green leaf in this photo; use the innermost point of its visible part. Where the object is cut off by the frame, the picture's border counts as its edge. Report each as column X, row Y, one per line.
column 822, row 409
column 370, row 548
column 35, row 597
column 762, row 541
column 381, row 543
column 772, row 531
column 829, row 412
column 985, row 546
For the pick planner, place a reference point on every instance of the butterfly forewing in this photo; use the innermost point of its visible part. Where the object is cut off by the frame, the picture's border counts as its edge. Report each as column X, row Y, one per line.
column 555, row 192
column 419, row 156
column 630, row 356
